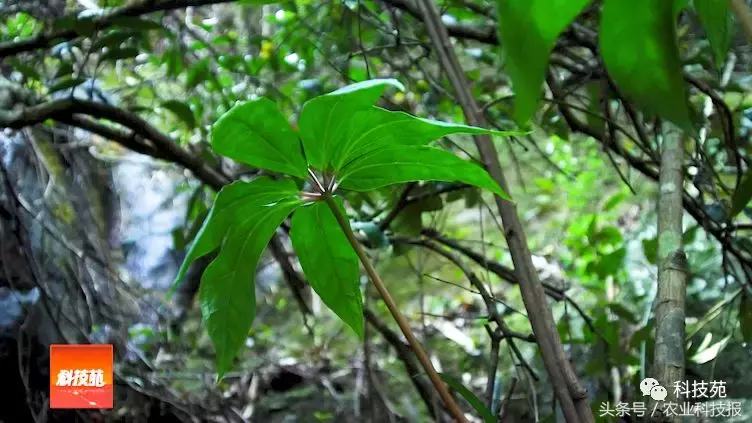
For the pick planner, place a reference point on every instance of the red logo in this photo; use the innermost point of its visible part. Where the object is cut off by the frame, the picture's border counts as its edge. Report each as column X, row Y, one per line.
column 81, row 376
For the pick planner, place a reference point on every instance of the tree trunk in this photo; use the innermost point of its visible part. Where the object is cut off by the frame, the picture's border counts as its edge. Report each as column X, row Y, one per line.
column 570, row 394
column 668, row 363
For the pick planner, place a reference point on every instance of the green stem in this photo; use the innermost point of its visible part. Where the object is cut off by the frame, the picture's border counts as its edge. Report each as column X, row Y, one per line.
column 415, row 345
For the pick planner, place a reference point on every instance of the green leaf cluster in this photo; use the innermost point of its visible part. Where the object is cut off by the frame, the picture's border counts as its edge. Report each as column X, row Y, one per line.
column 343, row 135
column 639, row 50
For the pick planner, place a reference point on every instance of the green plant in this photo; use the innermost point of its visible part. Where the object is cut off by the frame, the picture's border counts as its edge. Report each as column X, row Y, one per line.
column 345, row 142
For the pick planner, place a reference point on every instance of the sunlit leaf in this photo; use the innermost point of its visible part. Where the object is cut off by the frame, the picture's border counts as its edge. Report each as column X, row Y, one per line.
column 415, row 163
column 256, row 133
column 640, row 53
column 324, row 120
column 614, row 201
column 329, row 261
column 375, row 128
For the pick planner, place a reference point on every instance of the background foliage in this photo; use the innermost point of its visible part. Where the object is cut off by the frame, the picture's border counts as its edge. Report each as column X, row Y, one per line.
column 143, row 82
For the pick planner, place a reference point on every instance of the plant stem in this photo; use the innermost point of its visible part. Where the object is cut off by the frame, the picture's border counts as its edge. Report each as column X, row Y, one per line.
column 417, row 348
column 670, row 311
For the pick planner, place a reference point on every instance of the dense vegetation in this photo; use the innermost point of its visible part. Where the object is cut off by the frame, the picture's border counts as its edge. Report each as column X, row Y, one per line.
column 391, row 210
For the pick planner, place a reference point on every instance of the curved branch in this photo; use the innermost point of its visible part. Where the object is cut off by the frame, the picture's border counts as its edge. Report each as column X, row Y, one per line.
column 134, row 10
column 62, row 110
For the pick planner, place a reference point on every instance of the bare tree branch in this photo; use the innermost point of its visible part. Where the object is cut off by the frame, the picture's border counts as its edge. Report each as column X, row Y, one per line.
column 134, row 10
column 63, row 110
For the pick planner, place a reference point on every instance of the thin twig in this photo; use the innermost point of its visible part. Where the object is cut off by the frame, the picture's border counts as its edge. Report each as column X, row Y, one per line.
column 507, row 398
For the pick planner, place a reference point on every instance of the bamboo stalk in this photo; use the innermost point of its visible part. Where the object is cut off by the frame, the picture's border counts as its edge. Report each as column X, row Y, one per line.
column 668, row 361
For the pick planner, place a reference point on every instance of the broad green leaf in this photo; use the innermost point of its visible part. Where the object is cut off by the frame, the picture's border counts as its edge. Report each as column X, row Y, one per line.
column 718, row 23
column 227, row 292
column 375, row 128
column 473, row 400
column 742, row 195
column 607, row 236
column 256, row 133
column 413, row 163
column 528, row 30
column 231, row 203
column 325, row 120
column 329, row 261
column 640, row 53
column 182, row 111
column 745, row 317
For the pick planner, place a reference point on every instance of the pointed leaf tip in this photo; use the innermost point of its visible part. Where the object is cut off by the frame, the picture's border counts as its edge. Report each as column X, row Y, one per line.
column 255, row 133
column 329, row 261
column 325, row 120
column 528, row 30
column 640, row 53
column 227, row 291
column 414, row 163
